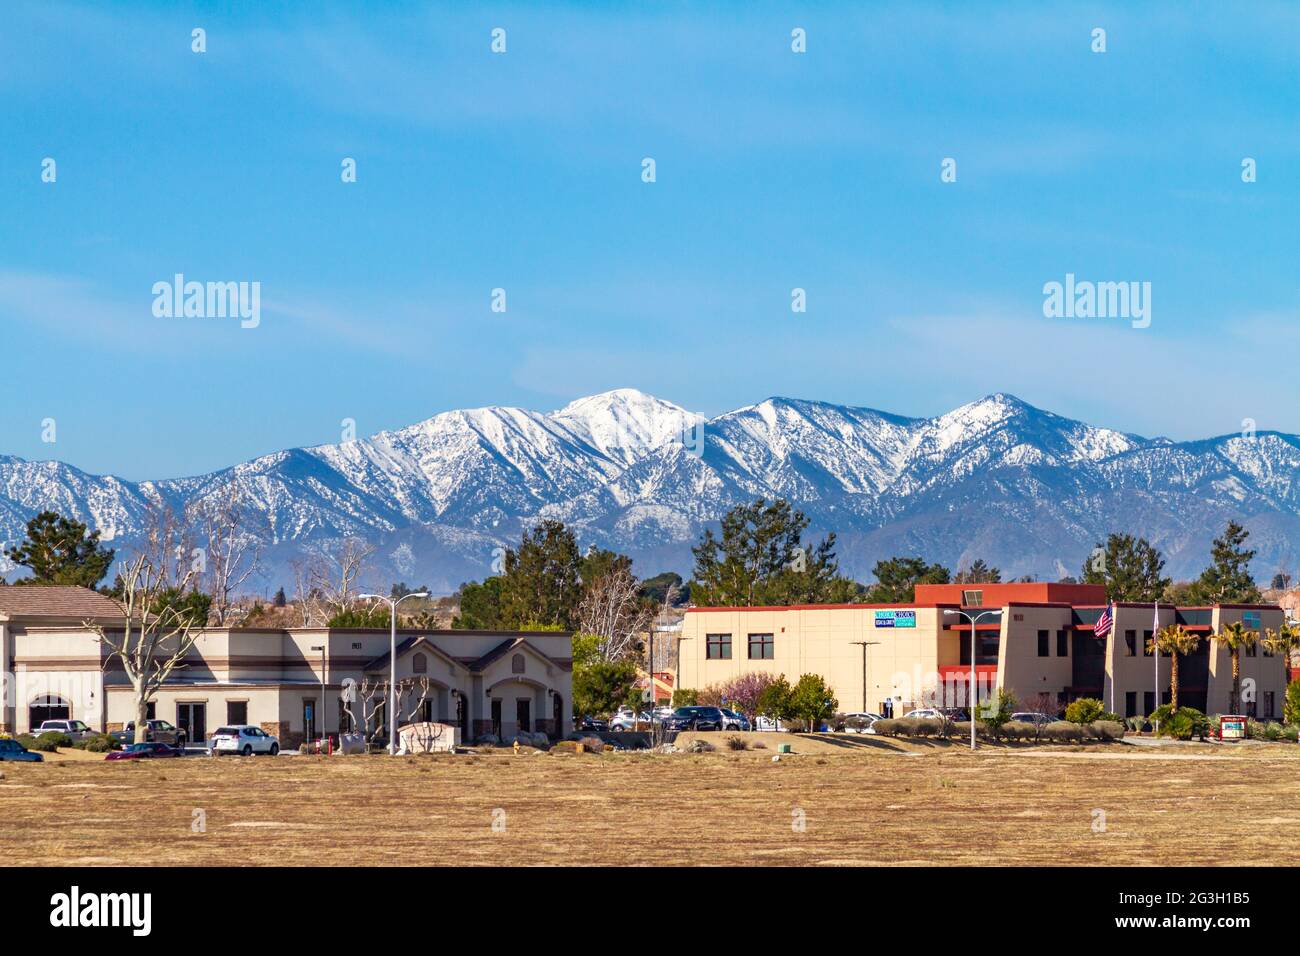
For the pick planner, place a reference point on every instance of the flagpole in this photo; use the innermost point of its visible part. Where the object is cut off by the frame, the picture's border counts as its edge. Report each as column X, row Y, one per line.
column 1114, row 648
column 1155, row 652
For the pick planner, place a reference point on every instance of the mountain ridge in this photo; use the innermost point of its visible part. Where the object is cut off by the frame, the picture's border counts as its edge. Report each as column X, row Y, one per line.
column 1024, row 488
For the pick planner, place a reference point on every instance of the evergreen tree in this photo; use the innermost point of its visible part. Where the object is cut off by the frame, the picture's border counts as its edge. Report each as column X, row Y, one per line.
column 1227, row 580
column 542, row 582
column 280, row 600
column 480, row 606
column 656, row 588
column 1129, row 568
column 760, row 560
column 59, row 551
column 897, row 578
column 979, row 573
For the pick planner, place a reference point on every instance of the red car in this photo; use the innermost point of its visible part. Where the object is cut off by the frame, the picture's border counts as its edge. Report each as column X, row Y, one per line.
column 145, row 751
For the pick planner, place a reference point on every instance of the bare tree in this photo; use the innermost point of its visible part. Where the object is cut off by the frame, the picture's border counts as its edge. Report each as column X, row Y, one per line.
column 612, row 610
column 161, row 620
column 306, row 605
column 371, row 695
column 335, row 576
column 232, row 552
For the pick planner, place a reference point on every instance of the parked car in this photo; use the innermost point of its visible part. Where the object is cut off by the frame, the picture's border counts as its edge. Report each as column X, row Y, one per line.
column 925, row 712
column 731, row 720
column 157, row 731
column 955, row 714
column 12, row 750
column 145, row 751
column 695, row 718
column 73, row 728
column 627, row 719
column 1032, row 717
column 866, row 719
column 243, row 739
column 592, row 723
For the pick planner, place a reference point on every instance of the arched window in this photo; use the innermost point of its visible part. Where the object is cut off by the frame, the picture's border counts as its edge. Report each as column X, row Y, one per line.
column 419, row 664
column 517, row 664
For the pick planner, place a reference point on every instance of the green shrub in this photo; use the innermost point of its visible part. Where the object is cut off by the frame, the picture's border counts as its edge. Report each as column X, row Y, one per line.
column 43, row 743
column 98, row 744
column 929, row 726
column 907, row 726
column 56, row 737
column 685, row 697
column 1085, row 710
column 1183, row 724
column 1291, row 703
column 886, row 726
column 997, row 711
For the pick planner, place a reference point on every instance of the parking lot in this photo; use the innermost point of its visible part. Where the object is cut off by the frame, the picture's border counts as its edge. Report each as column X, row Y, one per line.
column 859, row 802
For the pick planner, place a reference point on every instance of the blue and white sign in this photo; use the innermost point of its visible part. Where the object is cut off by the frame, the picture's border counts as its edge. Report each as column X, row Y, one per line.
column 895, row 619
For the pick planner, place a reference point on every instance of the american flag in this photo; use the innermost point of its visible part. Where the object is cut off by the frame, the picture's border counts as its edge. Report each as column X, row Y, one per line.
column 1102, row 627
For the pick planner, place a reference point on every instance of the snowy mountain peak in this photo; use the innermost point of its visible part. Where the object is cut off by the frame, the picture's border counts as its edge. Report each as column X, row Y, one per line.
column 625, row 424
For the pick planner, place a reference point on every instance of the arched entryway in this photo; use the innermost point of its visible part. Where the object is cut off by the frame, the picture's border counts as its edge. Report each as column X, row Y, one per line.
column 47, row 707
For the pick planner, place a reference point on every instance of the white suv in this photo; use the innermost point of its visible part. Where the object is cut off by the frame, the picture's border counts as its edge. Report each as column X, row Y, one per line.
column 242, row 739
column 73, row 728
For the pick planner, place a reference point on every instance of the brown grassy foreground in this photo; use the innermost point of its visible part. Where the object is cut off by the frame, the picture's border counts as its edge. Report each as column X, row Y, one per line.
column 866, row 802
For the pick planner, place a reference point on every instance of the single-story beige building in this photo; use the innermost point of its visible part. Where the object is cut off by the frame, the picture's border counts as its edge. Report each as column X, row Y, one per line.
column 295, row 683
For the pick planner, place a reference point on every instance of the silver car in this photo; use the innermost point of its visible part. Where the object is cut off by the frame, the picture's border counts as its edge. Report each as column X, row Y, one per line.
column 73, row 728
column 242, row 739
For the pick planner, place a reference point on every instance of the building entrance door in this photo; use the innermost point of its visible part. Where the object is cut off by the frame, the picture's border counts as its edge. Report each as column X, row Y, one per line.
column 523, row 715
column 193, row 719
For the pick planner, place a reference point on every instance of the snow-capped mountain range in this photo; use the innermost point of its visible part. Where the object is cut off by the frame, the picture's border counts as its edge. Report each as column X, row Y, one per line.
column 1027, row 490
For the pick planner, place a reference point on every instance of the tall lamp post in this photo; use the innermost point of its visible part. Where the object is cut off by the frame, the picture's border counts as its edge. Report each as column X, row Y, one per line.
column 997, row 612
column 864, row 645
column 321, row 716
column 392, row 658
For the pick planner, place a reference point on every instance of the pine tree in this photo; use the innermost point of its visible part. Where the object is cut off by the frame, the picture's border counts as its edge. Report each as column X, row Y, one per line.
column 1129, row 567
column 760, row 560
column 59, row 551
column 1227, row 580
column 979, row 573
column 897, row 578
column 542, row 584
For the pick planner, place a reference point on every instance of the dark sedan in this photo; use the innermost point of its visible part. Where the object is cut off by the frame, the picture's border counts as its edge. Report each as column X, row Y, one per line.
column 13, row 750
column 695, row 718
column 146, row 751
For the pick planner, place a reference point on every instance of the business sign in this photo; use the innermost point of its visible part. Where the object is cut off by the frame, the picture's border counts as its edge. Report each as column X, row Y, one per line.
column 1232, row 727
column 1251, row 620
column 895, row 619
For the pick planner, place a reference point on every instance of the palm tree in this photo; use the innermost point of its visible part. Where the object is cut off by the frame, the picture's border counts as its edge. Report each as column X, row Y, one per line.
column 1174, row 641
column 1283, row 642
column 1234, row 636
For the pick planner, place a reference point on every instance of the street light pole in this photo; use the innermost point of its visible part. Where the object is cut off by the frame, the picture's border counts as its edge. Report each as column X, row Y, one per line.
column 971, row 695
column 392, row 658
column 321, row 711
column 864, row 645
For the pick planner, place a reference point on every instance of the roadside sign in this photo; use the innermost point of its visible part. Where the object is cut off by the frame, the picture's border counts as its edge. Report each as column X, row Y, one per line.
column 1232, row 727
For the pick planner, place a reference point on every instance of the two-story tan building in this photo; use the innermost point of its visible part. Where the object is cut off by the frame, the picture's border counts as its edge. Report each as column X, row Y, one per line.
column 294, row 683
column 1030, row 638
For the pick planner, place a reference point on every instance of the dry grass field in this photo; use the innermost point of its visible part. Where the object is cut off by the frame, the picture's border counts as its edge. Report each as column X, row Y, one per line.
column 863, row 802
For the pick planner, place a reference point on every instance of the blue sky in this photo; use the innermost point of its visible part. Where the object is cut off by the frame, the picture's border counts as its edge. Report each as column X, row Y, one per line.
column 523, row 171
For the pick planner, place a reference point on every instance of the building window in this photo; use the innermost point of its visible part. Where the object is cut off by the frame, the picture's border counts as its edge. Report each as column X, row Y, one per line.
column 718, row 647
column 760, row 647
column 1062, row 643
column 1149, row 703
column 1131, row 702
column 1251, row 650
column 1146, row 648
column 1268, row 704
column 419, row 664
column 151, row 710
column 1044, row 648
column 1130, row 645
column 236, row 711
column 517, row 664
column 972, row 598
